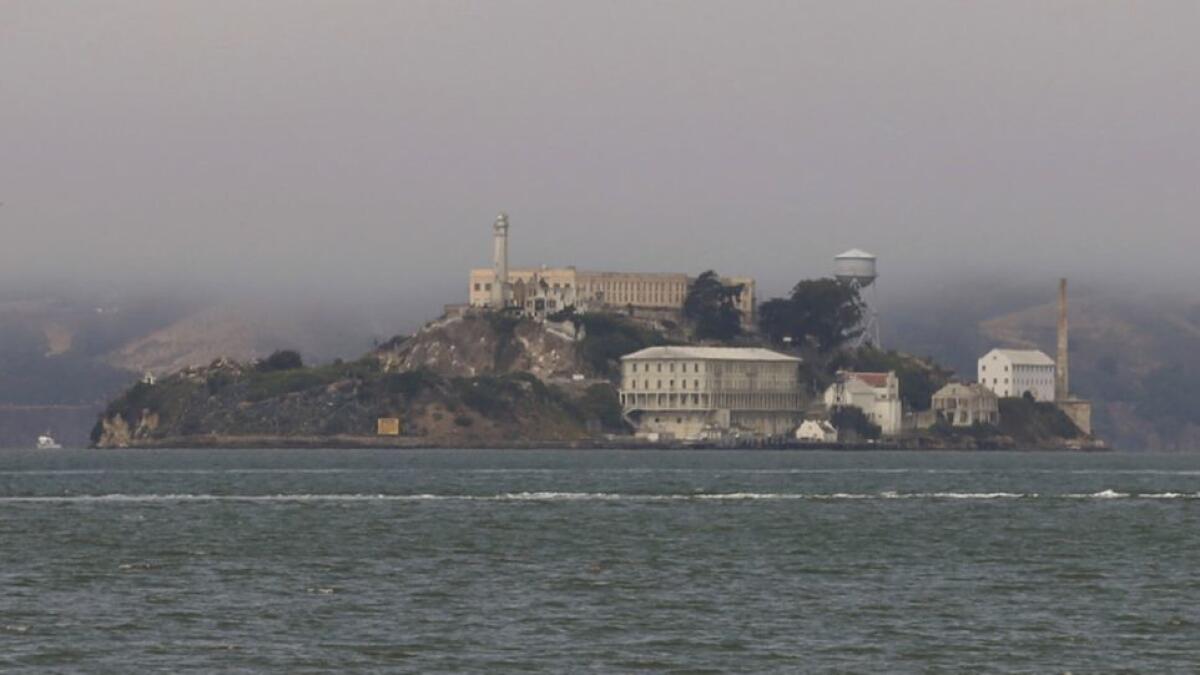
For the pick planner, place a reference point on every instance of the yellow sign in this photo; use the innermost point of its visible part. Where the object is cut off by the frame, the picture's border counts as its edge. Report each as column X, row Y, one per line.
column 387, row 426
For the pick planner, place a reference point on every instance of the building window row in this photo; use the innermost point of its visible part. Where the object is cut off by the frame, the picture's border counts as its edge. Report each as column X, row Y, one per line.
column 658, row 367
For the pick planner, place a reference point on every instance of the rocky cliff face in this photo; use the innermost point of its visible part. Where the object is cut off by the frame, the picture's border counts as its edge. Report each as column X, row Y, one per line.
column 486, row 344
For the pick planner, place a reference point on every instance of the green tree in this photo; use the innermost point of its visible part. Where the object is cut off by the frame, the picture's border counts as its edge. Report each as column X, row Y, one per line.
column 710, row 307
column 824, row 312
column 850, row 418
column 283, row 359
column 608, row 337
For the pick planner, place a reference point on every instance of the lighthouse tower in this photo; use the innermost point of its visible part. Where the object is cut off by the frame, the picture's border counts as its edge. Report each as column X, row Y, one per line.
column 500, row 289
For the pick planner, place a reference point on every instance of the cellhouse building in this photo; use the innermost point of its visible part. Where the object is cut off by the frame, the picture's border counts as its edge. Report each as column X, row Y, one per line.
column 693, row 393
column 539, row 291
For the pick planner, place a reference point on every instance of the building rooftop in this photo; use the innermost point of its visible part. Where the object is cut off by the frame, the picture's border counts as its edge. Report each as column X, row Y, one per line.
column 877, row 380
column 1024, row 357
column 711, row 354
column 963, row 390
column 856, row 253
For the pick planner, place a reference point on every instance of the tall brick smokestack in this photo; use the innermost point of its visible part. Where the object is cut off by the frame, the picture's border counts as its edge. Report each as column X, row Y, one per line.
column 1062, row 381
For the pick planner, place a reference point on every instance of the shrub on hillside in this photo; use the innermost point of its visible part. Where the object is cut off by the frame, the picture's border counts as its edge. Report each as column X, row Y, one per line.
column 600, row 402
column 608, row 337
column 410, row 383
column 283, row 359
column 1027, row 420
column 853, row 419
column 263, row 386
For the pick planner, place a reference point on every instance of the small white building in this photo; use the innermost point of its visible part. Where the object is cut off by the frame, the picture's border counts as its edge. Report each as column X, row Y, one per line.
column 816, row 431
column 1010, row 373
column 876, row 394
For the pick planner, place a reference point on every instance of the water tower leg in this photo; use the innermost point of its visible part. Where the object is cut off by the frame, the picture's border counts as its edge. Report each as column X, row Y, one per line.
column 875, row 314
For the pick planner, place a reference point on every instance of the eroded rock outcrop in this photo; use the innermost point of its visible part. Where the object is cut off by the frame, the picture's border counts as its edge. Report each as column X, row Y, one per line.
column 485, row 344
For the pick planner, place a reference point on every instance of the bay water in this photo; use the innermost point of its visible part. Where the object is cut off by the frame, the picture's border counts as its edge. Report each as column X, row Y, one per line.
column 455, row 561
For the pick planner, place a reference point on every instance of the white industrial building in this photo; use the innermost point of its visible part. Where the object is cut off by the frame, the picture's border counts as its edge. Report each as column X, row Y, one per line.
column 876, row 394
column 1010, row 373
column 692, row 393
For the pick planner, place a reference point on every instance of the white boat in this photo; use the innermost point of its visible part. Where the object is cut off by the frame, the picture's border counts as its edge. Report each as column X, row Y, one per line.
column 47, row 442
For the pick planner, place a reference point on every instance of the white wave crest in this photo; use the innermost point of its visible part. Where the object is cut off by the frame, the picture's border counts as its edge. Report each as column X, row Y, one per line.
column 1103, row 494
column 556, row 496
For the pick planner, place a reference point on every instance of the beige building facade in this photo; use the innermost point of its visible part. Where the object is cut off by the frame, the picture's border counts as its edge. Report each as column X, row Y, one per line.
column 963, row 405
column 559, row 287
column 694, row 393
column 539, row 291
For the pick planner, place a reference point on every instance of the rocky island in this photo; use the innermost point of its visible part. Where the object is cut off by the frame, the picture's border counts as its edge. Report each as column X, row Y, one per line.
column 491, row 379
column 552, row 356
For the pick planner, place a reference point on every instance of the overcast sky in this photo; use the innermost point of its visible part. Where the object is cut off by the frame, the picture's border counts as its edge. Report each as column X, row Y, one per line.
column 366, row 146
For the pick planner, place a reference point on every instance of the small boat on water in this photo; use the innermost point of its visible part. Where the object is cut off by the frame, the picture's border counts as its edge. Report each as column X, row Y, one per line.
column 47, row 442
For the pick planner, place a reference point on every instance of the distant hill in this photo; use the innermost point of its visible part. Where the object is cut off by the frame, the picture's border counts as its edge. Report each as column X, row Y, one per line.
column 63, row 356
column 198, row 339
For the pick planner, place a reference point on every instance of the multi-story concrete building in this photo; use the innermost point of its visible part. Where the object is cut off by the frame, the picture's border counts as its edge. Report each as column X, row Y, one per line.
column 697, row 392
column 545, row 290
column 876, row 394
column 593, row 291
column 966, row 404
column 1013, row 372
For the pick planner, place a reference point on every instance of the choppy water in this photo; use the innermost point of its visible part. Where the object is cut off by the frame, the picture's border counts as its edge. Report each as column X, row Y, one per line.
column 476, row 561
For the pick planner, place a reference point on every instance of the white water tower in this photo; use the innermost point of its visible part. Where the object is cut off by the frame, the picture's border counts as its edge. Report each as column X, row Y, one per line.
column 857, row 267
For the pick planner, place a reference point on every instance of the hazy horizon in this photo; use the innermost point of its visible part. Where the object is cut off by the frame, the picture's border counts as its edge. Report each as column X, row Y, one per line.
column 362, row 149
